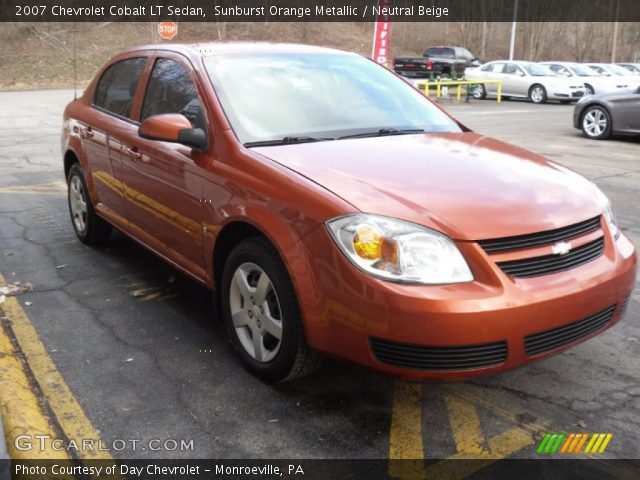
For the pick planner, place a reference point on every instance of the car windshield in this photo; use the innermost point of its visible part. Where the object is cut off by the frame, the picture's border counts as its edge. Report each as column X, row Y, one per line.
column 538, row 70
column 318, row 96
column 581, row 71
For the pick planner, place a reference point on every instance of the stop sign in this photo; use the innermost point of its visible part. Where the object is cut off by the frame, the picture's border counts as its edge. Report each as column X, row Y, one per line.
column 167, row 30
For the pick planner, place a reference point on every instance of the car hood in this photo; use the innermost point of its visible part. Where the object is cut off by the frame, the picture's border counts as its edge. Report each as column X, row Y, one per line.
column 467, row 185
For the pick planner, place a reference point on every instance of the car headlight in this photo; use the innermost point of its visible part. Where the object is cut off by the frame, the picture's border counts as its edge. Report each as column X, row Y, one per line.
column 397, row 250
column 607, row 212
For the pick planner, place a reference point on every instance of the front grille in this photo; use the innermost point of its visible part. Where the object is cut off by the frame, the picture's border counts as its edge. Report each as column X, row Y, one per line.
column 557, row 337
column 625, row 305
column 547, row 264
column 541, row 238
column 422, row 357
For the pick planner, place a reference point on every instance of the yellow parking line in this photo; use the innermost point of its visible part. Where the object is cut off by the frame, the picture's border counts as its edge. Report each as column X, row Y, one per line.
column 21, row 411
column 55, row 188
column 405, row 435
column 465, row 425
column 67, row 411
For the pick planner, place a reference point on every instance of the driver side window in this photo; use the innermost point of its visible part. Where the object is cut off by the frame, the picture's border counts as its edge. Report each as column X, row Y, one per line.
column 171, row 90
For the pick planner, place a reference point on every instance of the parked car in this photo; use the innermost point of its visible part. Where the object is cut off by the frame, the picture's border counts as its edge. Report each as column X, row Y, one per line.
column 593, row 82
column 437, row 62
column 619, row 75
column 632, row 67
column 335, row 209
column 525, row 80
column 600, row 116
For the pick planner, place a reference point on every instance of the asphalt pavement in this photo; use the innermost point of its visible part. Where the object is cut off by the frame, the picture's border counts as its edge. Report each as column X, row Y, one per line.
column 140, row 350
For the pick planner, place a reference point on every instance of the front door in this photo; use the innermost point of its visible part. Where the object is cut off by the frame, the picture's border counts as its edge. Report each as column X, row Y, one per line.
column 163, row 188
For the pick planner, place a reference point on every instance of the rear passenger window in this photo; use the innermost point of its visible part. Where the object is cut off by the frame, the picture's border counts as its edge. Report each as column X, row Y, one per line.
column 171, row 90
column 117, row 86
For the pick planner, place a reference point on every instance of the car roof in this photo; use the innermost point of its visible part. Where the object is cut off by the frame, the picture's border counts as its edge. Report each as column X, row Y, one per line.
column 231, row 48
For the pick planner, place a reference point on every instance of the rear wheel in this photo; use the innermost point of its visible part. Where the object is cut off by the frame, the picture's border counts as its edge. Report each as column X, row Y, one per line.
column 537, row 94
column 262, row 314
column 596, row 123
column 89, row 227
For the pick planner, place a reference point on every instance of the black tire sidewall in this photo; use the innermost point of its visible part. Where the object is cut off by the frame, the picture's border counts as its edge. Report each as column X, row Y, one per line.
column 266, row 257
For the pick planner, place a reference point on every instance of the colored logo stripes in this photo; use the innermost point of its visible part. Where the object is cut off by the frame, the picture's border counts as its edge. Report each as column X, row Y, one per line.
column 574, row 443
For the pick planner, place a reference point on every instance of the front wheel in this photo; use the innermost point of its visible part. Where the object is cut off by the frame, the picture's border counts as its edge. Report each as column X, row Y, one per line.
column 596, row 123
column 538, row 94
column 262, row 314
column 479, row 92
column 89, row 227
column 589, row 89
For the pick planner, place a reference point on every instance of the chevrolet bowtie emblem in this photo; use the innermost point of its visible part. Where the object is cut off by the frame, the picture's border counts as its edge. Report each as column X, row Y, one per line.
column 561, row 248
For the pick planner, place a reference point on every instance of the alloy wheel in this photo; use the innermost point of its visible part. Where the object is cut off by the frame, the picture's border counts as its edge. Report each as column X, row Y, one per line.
column 595, row 122
column 78, row 204
column 255, row 312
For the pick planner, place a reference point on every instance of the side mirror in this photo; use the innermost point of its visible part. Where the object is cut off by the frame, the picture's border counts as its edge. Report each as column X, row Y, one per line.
column 175, row 128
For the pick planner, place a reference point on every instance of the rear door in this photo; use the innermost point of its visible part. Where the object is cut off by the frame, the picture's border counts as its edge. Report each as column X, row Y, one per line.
column 102, row 139
column 164, row 180
column 493, row 71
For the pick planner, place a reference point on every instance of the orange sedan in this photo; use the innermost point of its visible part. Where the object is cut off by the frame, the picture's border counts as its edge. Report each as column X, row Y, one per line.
column 335, row 210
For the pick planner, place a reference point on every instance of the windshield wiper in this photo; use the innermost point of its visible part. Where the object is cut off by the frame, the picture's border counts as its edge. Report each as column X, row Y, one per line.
column 384, row 131
column 286, row 141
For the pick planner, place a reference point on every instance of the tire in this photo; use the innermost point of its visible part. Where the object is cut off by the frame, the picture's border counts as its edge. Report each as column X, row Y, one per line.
column 595, row 123
column 480, row 92
column 589, row 89
column 89, row 227
column 258, row 299
column 537, row 93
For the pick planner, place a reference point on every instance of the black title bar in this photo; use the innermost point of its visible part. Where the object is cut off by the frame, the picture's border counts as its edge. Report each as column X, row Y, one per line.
column 319, row 11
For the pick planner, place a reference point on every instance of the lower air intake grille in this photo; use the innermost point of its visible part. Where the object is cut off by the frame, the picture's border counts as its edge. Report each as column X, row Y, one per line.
column 557, row 337
column 547, row 264
column 439, row 358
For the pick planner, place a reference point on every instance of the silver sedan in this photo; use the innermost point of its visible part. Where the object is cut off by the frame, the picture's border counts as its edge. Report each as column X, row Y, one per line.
column 600, row 116
column 525, row 80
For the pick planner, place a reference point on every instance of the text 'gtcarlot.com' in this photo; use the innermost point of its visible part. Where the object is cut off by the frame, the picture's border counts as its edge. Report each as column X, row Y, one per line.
column 41, row 443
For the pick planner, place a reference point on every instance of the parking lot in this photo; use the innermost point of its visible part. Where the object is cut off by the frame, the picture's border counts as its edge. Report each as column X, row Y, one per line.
column 118, row 346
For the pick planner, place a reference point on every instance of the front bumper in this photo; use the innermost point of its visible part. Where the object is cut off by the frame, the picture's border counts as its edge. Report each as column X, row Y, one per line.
column 350, row 313
column 573, row 94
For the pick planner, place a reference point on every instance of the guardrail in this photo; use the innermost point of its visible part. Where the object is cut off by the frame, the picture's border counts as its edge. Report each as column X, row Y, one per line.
column 426, row 87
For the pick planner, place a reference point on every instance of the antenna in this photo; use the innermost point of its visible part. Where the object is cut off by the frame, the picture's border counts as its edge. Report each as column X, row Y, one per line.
column 75, row 69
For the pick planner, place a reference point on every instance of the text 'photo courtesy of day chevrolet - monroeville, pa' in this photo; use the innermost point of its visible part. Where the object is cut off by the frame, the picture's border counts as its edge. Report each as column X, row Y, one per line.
column 319, row 240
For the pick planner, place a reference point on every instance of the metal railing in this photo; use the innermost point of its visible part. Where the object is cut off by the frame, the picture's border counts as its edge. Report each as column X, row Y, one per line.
column 426, row 87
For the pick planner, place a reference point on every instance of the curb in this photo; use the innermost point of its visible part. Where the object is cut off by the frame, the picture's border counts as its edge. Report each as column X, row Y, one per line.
column 4, row 456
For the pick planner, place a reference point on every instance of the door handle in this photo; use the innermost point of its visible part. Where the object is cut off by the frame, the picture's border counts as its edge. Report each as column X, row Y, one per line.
column 86, row 132
column 134, row 153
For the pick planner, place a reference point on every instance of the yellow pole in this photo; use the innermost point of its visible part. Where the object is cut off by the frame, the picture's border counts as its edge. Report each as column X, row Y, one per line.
column 459, row 91
column 438, row 90
column 499, row 91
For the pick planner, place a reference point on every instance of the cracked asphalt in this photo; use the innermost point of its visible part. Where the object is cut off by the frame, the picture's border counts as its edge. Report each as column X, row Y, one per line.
column 139, row 347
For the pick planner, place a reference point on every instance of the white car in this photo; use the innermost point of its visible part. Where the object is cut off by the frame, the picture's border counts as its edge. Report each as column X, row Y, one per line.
column 632, row 67
column 594, row 83
column 618, row 74
column 525, row 80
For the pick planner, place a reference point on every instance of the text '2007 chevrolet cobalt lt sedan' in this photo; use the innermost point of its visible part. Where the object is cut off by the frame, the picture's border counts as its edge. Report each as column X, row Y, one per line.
column 336, row 210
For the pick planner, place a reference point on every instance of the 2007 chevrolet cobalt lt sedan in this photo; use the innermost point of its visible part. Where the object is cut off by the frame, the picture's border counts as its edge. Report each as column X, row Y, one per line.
column 335, row 210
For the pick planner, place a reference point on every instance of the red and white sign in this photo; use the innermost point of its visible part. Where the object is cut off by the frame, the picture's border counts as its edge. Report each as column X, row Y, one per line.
column 381, row 34
column 167, row 30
